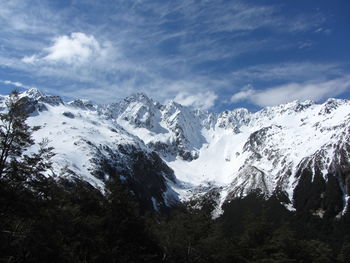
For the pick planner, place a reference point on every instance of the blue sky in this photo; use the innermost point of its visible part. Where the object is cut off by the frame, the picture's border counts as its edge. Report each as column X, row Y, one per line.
column 211, row 55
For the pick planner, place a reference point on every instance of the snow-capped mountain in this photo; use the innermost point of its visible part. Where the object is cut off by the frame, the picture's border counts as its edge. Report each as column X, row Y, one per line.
column 167, row 153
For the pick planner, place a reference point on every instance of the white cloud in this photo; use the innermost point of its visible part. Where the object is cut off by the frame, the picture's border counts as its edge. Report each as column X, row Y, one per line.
column 305, row 44
column 302, row 71
column 244, row 94
column 202, row 101
column 30, row 59
column 294, row 91
column 77, row 48
column 16, row 84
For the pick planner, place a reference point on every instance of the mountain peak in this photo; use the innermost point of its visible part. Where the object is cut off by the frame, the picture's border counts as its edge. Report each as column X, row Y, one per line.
column 330, row 105
column 37, row 95
column 33, row 93
column 286, row 108
column 172, row 106
column 82, row 104
column 335, row 101
column 140, row 96
column 295, row 105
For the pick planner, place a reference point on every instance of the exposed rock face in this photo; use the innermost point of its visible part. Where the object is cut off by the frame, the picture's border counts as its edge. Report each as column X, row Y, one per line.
column 323, row 181
column 145, row 174
column 166, row 153
column 251, row 178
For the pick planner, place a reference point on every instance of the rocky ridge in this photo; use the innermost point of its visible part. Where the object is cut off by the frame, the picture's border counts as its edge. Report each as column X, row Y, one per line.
column 168, row 153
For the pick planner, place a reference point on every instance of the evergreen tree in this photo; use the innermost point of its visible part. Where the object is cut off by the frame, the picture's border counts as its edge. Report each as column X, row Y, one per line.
column 15, row 133
column 184, row 236
column 21, row 176
column 126, row 234
column 344, row 254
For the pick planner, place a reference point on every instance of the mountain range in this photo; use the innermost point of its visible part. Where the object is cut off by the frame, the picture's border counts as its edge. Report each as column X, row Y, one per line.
column 298, row 152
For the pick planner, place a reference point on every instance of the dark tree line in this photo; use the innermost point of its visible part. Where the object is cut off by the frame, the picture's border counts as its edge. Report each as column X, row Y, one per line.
column 47, row 219
column 192, row 236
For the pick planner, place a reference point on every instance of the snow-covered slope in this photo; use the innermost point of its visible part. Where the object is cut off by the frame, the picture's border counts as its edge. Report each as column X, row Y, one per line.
column 233, row 153
column 91, row 145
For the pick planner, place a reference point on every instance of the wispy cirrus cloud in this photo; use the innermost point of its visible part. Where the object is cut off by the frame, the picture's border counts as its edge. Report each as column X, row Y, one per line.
column 301, row 71
column 168, row 49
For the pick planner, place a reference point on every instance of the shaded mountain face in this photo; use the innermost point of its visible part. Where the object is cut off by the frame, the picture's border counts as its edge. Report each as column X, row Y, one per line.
column 170, row 153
